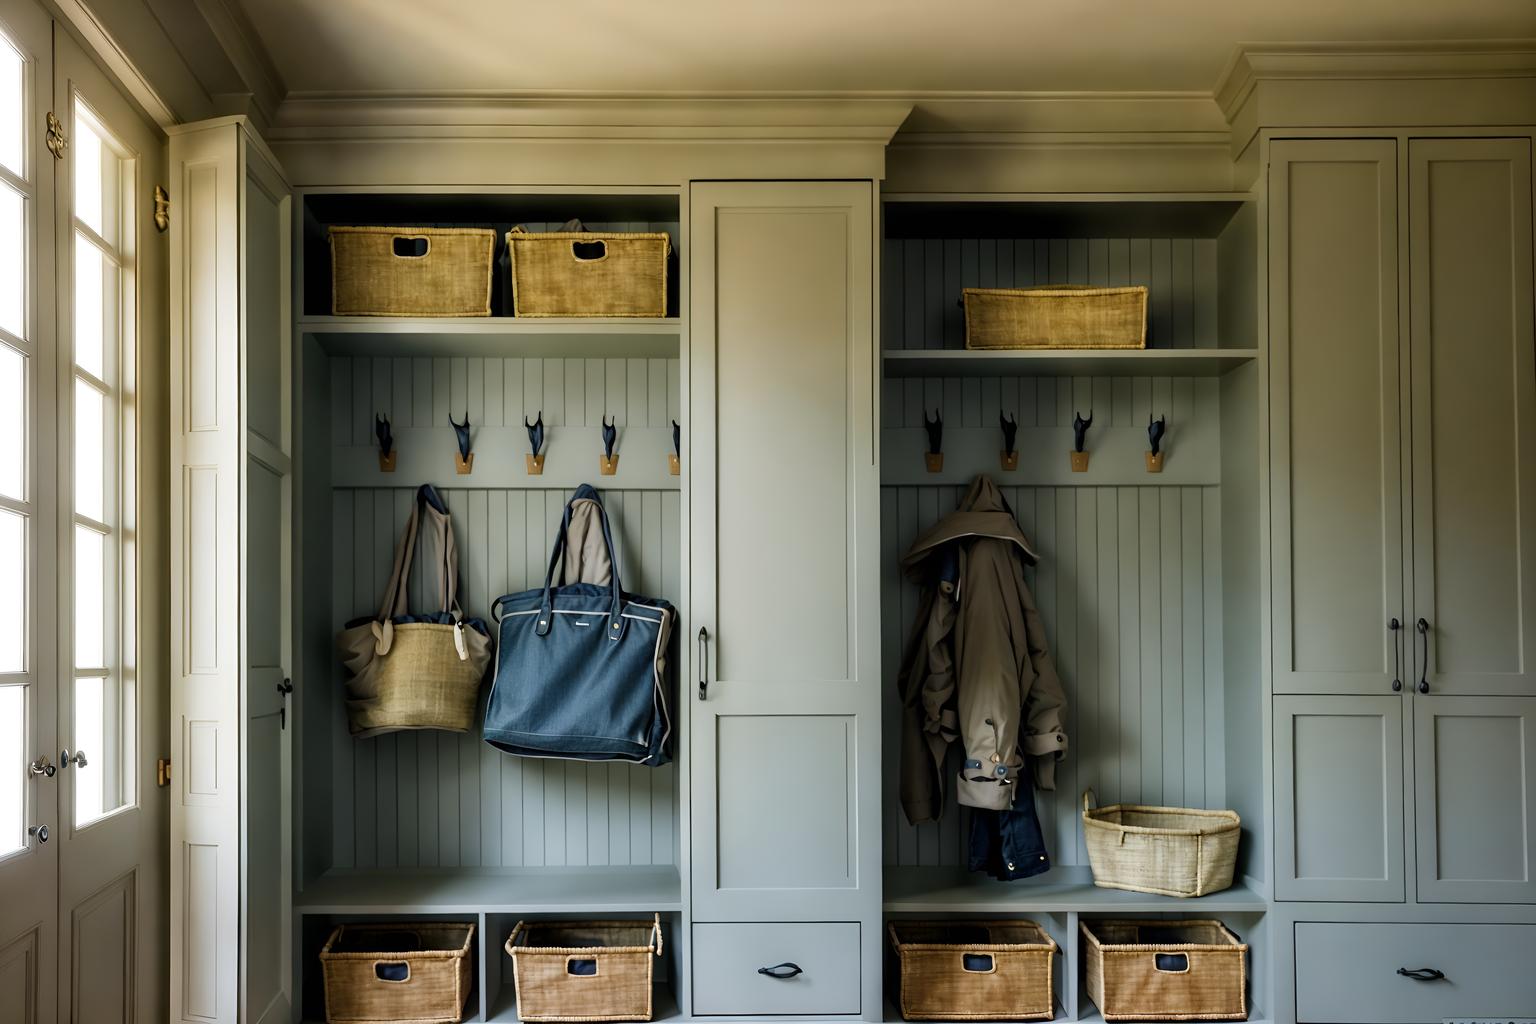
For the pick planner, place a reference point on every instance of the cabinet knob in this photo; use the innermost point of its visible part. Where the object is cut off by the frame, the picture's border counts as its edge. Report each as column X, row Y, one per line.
column 40, row 832
column 42, row 766
column 77, row 758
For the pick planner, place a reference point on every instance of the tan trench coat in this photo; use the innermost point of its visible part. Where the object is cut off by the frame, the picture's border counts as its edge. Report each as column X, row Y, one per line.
column 976, row 666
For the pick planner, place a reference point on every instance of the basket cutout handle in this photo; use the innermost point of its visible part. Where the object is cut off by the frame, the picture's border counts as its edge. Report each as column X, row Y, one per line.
column 1171, row 963
column 978, row 963
column 581, row 966
column 594, row 251
column 396, row 972
column 411, row 247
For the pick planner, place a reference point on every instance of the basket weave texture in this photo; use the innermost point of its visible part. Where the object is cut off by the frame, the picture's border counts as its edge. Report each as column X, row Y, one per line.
column 620, row 956
column 434, row 959
column 935, row 982
column 1061, row 316
column 553, row 275
column 1166, row 970
column 1168, row 851
column 452, row 278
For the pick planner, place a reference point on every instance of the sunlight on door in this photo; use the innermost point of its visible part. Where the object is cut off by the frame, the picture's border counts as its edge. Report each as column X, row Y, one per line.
column 103, row 716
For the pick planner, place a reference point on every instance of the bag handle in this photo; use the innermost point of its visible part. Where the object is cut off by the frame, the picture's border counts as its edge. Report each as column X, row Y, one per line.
column 1089, row 801
column 396, row 592
column 557, row 558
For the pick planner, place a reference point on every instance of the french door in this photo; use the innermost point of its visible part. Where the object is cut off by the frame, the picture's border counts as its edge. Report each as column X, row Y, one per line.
column 83, row 825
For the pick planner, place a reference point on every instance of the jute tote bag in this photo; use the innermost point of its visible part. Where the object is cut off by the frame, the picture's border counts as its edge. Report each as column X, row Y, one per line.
column 416, row 671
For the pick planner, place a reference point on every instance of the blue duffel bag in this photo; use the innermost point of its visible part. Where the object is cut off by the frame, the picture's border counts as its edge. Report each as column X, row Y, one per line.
column 581, row 667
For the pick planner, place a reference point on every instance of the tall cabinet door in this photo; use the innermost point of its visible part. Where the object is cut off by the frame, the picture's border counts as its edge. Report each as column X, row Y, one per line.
column 1473, row 415
column 783, row 507
column 231, row 593
column 1336, row 484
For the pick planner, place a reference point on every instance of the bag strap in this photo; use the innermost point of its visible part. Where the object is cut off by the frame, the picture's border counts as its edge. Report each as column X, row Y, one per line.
column 397, row 591
column 557, row 558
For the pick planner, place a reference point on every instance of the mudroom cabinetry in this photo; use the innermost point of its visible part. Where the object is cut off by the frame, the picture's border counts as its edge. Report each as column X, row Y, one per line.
column 1404, row 412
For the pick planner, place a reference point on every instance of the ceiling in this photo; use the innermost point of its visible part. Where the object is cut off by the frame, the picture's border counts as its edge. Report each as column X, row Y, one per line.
column 902, row 46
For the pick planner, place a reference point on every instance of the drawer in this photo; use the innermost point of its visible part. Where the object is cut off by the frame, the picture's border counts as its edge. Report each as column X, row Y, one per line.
column 727, row 957
column 1348, row 972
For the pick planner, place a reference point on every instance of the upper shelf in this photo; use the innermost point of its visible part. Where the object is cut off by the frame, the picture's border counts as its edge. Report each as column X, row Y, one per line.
column 952, row 891
column 1149, row 362
column 496, row 891
column 531, row 337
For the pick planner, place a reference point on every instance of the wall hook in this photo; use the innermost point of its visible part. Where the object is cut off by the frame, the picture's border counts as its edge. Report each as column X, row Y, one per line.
column 1079, row 454
column 464, row 459
column 934, row 456
column 535, row 456
column 386, row 443
column 1009, row 456
column 1155, row 432
column 608, row 462
column 675, row 459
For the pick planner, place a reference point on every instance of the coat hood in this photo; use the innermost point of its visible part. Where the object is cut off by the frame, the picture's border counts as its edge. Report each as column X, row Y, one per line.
column 983, row 512
column 586, row 552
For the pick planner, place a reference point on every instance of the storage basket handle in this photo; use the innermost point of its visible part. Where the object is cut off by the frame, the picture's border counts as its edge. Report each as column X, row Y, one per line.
column 517, row 932
column 578, row 246
column 426, row 247
column 656, row 931
column 1089, row 800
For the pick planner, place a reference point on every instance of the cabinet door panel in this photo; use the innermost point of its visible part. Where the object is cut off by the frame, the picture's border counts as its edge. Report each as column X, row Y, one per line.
column 1474, row 413
column 1337, row 478
column 1475, row 779
column 1339, row 798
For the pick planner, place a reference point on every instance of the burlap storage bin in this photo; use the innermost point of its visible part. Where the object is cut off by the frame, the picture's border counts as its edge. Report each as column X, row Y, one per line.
column 1063, row 316
column 974, row 970
column 1169, row 851
column 584, row 970
column 451, row 277
column 415, row 973
column 589, row 273
column 1165, row 970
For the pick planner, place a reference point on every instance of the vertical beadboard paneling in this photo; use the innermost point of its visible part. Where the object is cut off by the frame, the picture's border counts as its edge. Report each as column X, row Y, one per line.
column 428, row 799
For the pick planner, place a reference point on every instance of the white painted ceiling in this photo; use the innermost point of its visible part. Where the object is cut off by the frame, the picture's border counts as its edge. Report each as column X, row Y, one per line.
column 903, row 46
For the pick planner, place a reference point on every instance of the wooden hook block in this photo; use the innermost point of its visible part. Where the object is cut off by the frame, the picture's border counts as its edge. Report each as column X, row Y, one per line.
column 387, row 462
column 674, row 464
column 535, row 464
column 463, row 465
column 934, row 462
column 1154, row 462
column 1009, row 460
column 608, row 464
column 1079, row 461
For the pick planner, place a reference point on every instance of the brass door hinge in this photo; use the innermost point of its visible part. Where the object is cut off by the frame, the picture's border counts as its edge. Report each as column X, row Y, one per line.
column 55, row 139
column 163, row 772
column 162, row 208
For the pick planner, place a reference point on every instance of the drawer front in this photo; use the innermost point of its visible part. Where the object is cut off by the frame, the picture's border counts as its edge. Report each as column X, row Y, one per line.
column 726, row 959
column 1348, row 972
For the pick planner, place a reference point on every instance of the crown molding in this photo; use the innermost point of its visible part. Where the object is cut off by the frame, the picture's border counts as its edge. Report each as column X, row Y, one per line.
column 102, row 43
column 242, row 47
column 1253, row 63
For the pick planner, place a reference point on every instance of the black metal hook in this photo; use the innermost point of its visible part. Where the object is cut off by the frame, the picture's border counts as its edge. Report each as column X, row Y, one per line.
column 610, row 436
column 535, row 433
column 382, row 432
column 461, row 431
column 1010, row 425
column 1155, row 431
column 935, row 428
column 677, row 440
column 1080, row 429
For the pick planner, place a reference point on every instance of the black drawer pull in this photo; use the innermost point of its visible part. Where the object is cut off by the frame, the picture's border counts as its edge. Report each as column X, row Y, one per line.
column 782, row 971
column 1422, row 974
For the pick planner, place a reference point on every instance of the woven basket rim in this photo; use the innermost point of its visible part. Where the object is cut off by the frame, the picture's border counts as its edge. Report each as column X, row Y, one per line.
column 1152, row 947
column 1064, row 290
column 371, row 229
column 653, row 947
column 327, row 953
column 1230, row 819
column 977, row 947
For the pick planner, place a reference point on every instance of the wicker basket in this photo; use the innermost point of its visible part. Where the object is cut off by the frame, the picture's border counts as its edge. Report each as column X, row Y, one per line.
column 1062, row 316
column 589, row 273
column 397, row 972
column 974, row 970
column 411, row 271
column 1166, row 970
column 1169, row 851
column 584, row 970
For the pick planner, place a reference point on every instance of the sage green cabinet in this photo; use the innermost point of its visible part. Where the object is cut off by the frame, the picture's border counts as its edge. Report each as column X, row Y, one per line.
column 783, row 500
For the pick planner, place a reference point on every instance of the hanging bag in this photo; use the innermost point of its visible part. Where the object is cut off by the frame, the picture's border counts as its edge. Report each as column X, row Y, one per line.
column 581, row 667
column 416, row 671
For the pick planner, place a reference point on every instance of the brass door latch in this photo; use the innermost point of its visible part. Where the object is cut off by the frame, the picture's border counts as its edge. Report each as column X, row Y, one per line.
column 54, row 138
column 163, row 772
column 162, row 208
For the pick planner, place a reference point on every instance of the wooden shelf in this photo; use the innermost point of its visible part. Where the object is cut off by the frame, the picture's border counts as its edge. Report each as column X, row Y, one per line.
column 953, row 891
column 495, row 891
column 532, row 337
column 1150, row 362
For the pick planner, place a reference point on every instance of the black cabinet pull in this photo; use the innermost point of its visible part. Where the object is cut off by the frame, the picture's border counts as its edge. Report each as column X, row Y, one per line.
column 703, row 663
column 783, row 971
column 1397, row 656
column 1423, row 627
column 1422, row 973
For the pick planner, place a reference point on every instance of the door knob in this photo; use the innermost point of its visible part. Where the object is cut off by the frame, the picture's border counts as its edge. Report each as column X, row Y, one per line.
column 40, row 831
column 77, row 759
column 42, row 766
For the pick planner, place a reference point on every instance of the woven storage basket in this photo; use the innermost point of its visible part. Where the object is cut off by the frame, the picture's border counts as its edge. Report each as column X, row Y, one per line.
column 974, row 970
column 589, row 273
column 1170, row 851
column 416, row 973
column 411, row 271
column 1063, row 316
column 1166, row 970
column 584, row 970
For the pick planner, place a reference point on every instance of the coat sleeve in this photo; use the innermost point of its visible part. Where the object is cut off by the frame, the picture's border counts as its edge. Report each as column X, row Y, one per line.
column 1044, row 736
